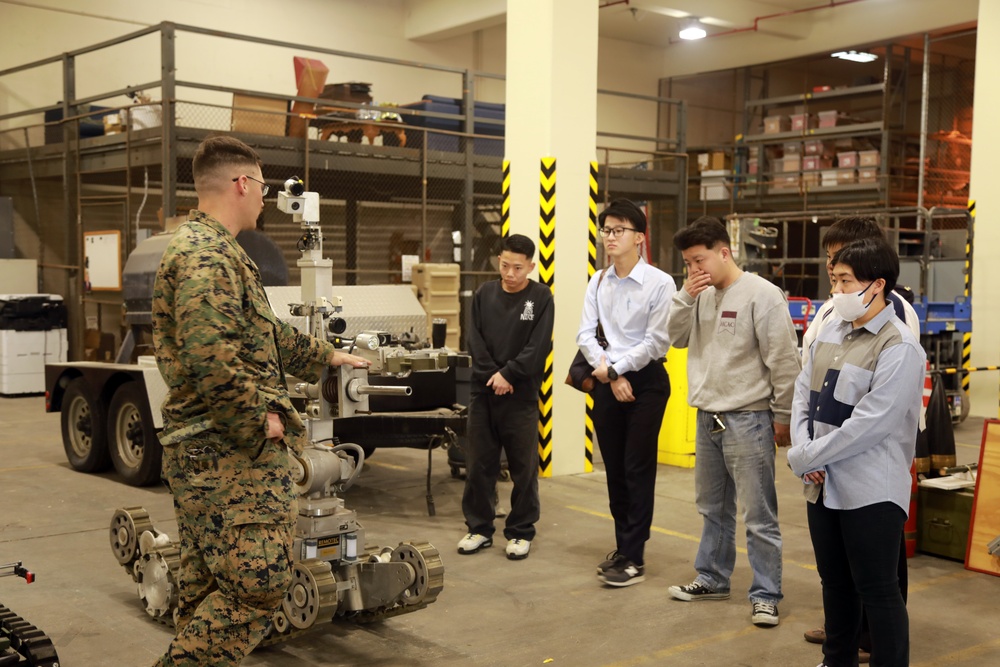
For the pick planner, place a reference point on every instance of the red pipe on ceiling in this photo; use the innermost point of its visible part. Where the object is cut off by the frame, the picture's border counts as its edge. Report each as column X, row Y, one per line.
column 756, row 22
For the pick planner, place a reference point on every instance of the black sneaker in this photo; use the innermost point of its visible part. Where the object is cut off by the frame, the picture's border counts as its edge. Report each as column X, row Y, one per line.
column 610, row 561
column 696, row 591
column 764, row 614
column 623, row 573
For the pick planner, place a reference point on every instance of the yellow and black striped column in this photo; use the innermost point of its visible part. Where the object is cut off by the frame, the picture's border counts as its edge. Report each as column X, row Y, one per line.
column 505, row 206
column 547, row 276
column 967, row 336
column 588, row 438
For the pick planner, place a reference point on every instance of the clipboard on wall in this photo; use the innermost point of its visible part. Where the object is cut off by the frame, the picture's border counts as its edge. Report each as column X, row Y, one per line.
column 102, row 265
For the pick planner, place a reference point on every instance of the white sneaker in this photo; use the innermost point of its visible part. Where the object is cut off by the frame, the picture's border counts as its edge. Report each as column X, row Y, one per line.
column 473, row 542
column 518, row 549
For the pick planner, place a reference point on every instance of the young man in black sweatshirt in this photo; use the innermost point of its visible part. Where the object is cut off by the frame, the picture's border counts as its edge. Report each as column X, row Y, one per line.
column 509, row 339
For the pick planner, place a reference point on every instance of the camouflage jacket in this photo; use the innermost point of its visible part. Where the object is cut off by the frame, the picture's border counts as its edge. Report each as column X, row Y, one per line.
column 217, row 342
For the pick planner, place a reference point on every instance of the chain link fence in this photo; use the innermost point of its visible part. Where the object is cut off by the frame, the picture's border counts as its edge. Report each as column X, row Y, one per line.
column 950, row 92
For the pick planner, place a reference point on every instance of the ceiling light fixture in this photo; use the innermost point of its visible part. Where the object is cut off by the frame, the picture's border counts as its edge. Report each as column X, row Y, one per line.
column 855, row 56
column 692, row 29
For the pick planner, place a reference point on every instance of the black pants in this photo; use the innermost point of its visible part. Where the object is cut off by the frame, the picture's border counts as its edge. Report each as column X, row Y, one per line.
column 495, row 423
column 904, row 579
column 627, row 434
column 857, row 554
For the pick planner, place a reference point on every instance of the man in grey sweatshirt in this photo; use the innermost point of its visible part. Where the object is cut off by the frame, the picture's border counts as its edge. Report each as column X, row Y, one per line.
column 742, row 365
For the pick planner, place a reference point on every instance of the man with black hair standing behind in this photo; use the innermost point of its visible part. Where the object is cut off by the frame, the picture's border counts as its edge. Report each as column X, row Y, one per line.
column 742, row 363
column 509, row 339
column 840, row 234
column 631, row 301
column 854, row 425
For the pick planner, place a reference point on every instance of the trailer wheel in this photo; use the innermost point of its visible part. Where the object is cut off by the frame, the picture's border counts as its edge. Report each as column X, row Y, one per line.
column 84, row 428
column 132, row 441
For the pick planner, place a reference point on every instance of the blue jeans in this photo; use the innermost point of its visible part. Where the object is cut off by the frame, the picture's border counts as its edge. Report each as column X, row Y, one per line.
column 737, row 462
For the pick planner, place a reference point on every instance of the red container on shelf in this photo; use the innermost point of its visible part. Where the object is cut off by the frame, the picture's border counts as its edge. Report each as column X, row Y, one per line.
column 802, row 121
column 829, row 118
column 848, row 160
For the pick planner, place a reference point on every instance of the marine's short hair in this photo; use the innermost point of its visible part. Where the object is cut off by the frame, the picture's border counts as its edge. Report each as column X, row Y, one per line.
column 871, row 259
column 519, row 244
column 706, row 230
column 849, row 230
column 220, row 151
column 624, row 209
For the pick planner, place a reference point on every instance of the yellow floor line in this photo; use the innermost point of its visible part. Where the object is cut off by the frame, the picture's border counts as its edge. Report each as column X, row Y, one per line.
column 968, row 653
column 683, row 536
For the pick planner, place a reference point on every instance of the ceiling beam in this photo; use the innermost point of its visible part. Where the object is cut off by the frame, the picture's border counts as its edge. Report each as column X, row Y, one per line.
column 434, row 20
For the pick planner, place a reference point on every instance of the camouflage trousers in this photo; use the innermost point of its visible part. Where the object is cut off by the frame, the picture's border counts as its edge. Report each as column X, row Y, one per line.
column 234, row 516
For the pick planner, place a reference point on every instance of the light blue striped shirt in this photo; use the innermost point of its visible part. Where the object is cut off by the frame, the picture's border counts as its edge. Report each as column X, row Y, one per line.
column 855, row 412
column 633, row 312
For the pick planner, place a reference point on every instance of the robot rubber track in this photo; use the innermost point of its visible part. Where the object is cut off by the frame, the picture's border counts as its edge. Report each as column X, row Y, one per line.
column 380, row 584
column 22, row 644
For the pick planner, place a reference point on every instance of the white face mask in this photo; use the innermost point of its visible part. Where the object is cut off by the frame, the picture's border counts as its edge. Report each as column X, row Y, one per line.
column 851, row 306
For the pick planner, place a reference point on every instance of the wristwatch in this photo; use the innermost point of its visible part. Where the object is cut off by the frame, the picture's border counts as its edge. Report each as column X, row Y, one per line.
column 612, row 373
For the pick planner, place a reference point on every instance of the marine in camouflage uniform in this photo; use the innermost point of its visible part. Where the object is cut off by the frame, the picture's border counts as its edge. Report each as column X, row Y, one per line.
column 217, row 346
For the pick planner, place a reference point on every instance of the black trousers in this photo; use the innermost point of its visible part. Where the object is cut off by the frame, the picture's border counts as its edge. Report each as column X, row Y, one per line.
column 627, row 434
column 495, row 423
column 857, row 554
column 904, row 579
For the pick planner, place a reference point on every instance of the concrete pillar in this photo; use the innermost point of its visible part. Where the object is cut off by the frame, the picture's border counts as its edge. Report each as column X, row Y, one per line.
column 552, row 113
column 985, row 343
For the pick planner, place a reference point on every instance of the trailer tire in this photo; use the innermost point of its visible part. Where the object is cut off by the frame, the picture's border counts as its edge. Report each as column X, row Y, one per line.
column 84, row 428
column 132, row 442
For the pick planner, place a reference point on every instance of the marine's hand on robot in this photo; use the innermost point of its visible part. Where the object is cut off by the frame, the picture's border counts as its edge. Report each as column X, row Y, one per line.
column 340, row 358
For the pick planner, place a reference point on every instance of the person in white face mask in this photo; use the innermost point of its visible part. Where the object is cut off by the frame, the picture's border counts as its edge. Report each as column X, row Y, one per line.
column 843, row 232
column 855, row 412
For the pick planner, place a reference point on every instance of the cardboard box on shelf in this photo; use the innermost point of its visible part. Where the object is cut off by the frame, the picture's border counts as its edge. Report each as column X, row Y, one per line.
column 791, row 163
column 869, row 158
column 785, row 184
column 776, row 124
column 810, row 179
column 713, row 161
column 802, row 121
column 817, row 147
column 113, row 123
column 848, row 160
column 791, row 148
column 816, row 162
column 713, row 185
column 846, row 176
column 828, row 178
column 752, row 165
column 259, row 115
column 310, row 77
column 868, row 175
column 829, row 118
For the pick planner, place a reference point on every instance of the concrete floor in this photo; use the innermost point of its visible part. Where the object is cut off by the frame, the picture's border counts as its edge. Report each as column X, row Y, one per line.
column 548, row 609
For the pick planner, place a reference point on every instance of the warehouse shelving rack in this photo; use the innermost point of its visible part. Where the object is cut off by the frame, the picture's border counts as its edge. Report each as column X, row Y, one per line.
column 76, row 183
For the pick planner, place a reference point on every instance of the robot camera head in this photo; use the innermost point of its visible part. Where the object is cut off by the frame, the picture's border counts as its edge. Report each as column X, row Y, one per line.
column 294, row 187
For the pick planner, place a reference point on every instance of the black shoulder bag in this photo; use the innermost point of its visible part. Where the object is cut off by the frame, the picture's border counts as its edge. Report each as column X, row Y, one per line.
column 581, row 373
